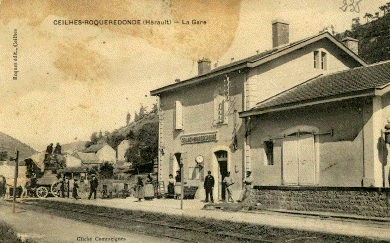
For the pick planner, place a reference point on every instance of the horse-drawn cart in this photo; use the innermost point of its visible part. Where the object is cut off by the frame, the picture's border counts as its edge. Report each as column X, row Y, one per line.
column 42, row 170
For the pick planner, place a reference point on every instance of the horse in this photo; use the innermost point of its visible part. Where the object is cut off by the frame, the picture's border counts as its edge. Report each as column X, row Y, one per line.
column 22, row 182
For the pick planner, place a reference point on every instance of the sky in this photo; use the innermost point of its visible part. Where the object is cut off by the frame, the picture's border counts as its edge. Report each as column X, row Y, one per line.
column 74, row 80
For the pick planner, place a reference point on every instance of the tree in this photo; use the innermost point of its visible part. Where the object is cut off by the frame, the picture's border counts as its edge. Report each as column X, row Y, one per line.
column 155, row 108
column 383, row 8
column 142, row 111
column 130, row 135
column 106, row 170
column 128, row 117
column 3, row 155
column 366, row 17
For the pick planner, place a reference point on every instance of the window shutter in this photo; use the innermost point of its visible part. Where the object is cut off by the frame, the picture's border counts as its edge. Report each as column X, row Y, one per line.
column 178, row 115
column 171, row 159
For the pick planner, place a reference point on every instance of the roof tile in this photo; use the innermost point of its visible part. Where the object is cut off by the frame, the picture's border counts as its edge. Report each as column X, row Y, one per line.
column 344, row 82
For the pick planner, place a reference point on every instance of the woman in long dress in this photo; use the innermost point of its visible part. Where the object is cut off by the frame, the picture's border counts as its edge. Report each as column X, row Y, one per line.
column 171, row 186
column 139, row 189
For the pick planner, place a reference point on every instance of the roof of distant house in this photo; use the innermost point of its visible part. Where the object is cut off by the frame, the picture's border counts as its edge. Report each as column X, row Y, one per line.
column 362, row 81
column 96, row 147
column 259, row 59
column 87, row 158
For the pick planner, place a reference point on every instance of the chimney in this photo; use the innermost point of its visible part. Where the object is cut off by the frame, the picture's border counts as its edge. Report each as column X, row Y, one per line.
column 352, row 44
column 204, row 66
column 280, row 33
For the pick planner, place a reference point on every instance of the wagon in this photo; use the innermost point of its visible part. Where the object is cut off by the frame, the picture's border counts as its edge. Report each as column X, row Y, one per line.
column 42, row 171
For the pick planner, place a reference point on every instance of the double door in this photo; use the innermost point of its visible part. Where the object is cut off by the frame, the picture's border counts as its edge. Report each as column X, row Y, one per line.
column 299, row 163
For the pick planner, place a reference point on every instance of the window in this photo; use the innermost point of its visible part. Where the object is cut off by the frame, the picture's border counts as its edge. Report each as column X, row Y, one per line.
column 323, row 61
column 316, row 59
column 320, row 60
column 178, row 116
column 269, row 152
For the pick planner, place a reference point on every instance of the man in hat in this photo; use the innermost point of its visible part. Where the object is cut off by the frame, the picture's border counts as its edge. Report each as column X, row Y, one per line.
column 208, row 186
column 94, row 185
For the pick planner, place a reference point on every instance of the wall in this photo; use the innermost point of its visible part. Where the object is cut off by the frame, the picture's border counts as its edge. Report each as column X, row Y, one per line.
column 106, row 154
column 358, row 201
column 121, row 150
column 339, row 157
column 290, row 70
column 198, row 117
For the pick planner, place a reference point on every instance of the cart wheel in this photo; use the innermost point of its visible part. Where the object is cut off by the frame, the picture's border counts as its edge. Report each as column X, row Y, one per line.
column 42, row 192
column 55, row 188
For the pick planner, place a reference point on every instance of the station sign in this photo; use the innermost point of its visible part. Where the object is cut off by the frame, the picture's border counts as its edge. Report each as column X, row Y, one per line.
column 199, row 138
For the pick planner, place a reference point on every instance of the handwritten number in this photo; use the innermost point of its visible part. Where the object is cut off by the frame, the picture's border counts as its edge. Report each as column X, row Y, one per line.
column 354, row 5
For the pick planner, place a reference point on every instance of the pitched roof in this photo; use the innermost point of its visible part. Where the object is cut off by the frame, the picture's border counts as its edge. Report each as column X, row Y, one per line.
column 259, row 59
column 94, row 148
column 361, row 81
column 87, row 158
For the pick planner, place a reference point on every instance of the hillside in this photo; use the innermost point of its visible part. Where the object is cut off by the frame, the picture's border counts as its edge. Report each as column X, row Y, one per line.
column 9, row 144
column 144, row 135
column 374, row 39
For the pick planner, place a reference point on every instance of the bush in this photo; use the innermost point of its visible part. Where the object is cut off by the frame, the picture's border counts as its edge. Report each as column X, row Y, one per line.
column 8, row 235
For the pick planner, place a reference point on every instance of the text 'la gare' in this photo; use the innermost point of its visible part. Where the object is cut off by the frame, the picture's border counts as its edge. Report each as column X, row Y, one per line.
column 194, row 21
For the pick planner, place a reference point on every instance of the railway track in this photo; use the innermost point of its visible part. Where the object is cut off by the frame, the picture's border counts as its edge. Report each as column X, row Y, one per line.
column 178, row 227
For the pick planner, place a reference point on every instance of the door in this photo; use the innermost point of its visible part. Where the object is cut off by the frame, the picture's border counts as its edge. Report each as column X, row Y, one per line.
column 290, row 161
column 307, row 166
column 299, row 166
column 222, row 158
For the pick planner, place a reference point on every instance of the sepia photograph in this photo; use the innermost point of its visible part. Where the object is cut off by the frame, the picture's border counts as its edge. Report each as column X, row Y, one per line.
column 194, row 121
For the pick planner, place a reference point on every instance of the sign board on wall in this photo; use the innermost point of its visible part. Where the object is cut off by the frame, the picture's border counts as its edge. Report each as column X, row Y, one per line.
column 199, row 138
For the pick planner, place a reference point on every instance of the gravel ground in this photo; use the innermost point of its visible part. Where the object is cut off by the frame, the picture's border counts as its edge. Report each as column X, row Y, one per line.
column 122, row 219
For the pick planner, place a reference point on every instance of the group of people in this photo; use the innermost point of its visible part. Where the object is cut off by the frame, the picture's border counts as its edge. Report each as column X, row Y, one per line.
column 64, row 183
column 227, row 183
column 144, row 190
column 57, row 149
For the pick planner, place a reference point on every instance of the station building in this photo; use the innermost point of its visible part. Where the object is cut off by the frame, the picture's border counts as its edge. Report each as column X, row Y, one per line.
column 214, row 121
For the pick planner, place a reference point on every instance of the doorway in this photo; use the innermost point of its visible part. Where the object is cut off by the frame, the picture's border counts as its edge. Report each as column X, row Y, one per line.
column 176, row 166
column 299, row 163
column 222, row 159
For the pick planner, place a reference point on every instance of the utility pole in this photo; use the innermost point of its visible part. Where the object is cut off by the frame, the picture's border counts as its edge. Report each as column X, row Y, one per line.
column 181, row 182
column 15, row 180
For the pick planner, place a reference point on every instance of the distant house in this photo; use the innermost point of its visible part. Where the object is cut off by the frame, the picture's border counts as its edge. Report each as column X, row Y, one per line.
column 87, row 158
column 72, row 161
column 122, row 148
column 7, row 170
column 103, row 151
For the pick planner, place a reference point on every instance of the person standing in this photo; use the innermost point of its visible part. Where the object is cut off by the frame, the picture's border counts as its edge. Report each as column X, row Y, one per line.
column 75, row 190
column 57, row 149
column 247, row 186
column 228, row 181
column 171, row 186
column 139, row 189
column 49, row 148
column 208, row 186
column 94, row 185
